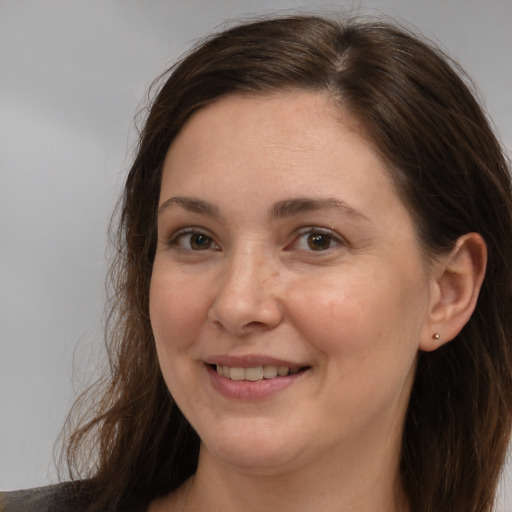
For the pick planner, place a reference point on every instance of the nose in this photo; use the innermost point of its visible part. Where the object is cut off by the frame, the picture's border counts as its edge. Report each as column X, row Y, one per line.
column 247, row 298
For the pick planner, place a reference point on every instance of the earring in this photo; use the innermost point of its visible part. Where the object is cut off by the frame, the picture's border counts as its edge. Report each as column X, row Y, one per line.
column 436, row 336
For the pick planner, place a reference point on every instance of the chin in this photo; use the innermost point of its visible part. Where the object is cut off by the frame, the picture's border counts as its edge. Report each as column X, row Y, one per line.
column 254, row 452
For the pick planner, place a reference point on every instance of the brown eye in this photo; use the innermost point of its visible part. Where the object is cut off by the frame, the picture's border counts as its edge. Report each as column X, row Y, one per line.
column 199, row 242
column 194, row 241
column 316, row 240
column 319, row 241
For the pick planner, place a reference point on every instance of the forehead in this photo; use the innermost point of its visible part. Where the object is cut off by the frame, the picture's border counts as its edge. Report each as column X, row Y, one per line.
column 278, row 146
column 283, row 123
column 273, row 115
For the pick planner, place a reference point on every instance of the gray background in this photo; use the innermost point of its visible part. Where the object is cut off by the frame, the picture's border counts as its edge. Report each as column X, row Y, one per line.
column 73, row 74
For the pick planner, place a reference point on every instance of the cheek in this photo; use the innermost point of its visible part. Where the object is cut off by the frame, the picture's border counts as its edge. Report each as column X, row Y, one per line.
column 367, row 352
column 177, row 312
column 336, row 314
column 361, row 321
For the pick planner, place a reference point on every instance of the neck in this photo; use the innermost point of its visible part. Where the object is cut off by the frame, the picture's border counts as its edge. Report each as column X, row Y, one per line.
column 327, row 484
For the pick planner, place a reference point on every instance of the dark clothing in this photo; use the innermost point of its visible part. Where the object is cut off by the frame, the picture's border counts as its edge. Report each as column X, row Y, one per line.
column 55, row 498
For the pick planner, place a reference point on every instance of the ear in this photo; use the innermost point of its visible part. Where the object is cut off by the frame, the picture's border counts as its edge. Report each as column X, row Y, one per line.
column 456, row 281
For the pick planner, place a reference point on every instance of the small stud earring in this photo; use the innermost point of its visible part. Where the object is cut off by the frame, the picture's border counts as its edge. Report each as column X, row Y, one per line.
column 436, row 336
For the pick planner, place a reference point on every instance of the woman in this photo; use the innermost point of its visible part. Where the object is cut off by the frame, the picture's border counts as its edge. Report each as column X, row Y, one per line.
column 313, row 286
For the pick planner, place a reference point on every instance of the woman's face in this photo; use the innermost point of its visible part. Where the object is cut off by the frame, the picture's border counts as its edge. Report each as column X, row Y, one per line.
column 289, row 293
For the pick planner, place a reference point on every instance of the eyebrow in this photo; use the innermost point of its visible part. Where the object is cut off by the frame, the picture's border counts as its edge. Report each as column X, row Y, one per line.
column 281, row 209
column 191, row 204
column 290, row 207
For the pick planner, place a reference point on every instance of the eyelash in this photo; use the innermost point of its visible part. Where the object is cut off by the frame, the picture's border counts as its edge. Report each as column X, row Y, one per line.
column 332, row 240
column 178, row 237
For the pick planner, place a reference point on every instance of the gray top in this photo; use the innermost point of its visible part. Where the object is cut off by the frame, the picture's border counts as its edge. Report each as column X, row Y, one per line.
column 53, row 498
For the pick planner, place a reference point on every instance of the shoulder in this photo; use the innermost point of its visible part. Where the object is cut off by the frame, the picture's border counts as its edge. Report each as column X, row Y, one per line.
column 64, row 497
column 52, row 498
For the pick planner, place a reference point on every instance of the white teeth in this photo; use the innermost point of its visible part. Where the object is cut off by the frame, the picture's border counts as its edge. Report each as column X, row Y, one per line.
column 269, row 371
column 237, row 374
column 255, row 373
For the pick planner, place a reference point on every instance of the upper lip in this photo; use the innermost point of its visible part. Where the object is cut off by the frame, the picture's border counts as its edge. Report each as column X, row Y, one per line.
column 251, row 361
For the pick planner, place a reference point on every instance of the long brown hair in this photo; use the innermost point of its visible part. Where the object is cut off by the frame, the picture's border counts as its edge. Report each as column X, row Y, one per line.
column 417, row 109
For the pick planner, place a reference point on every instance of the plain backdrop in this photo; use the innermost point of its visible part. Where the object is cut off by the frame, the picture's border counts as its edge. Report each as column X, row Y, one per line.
column 73, row 74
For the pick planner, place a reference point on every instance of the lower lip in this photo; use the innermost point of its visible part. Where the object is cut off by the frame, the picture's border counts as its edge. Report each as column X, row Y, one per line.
column 248, row 390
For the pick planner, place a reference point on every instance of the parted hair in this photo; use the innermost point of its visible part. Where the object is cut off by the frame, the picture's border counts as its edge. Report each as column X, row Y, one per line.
column 418, row 110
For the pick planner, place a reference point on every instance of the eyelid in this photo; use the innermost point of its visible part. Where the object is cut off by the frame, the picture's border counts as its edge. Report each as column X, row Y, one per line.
column 173, row 239
column 336, row 237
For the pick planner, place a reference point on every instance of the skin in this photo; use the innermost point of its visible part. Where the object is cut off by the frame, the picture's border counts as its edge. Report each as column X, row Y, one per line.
column 341, row 288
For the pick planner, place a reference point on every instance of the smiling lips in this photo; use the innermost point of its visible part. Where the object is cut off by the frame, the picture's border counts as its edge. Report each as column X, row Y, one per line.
column 254, row 377
column 255, row 373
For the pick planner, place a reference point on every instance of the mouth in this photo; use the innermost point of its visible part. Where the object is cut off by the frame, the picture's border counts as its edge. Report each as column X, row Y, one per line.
column 255, row 373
